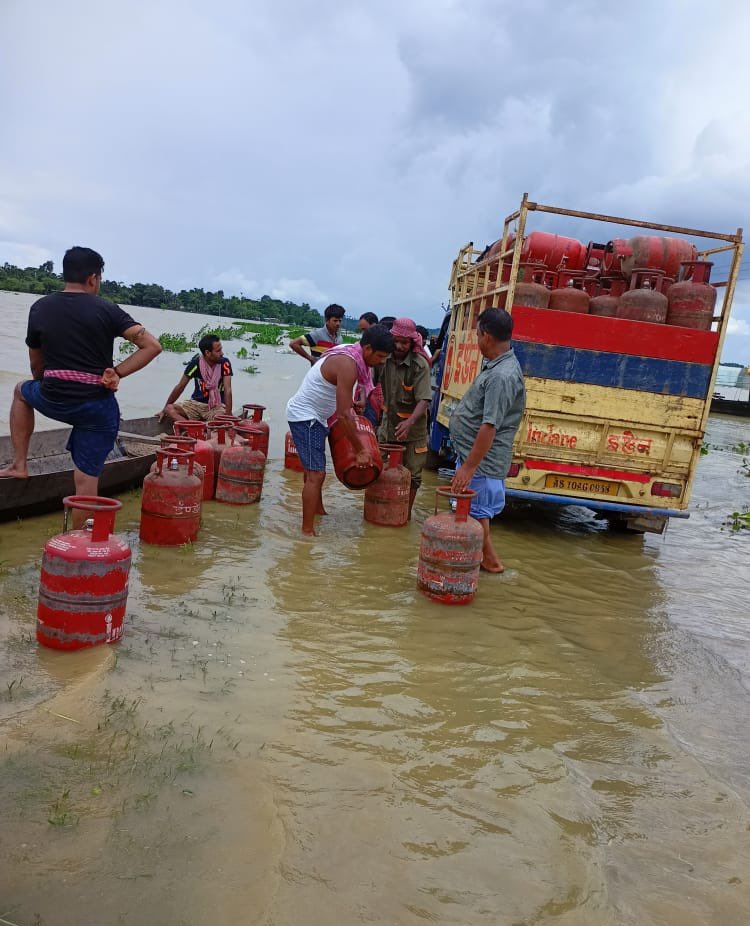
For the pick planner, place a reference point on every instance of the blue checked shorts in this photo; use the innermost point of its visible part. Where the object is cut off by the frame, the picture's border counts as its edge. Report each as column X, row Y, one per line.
column 95, row 424
column 310, row 440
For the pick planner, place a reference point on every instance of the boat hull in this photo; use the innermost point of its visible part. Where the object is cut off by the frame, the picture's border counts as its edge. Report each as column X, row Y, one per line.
column 51, row 469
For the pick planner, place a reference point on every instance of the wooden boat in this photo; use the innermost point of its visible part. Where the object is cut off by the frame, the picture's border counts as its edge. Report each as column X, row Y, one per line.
column 51, row 468
column 724, row 406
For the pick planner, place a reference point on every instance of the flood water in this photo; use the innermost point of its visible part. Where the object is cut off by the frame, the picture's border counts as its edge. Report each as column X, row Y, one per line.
column 289, row 733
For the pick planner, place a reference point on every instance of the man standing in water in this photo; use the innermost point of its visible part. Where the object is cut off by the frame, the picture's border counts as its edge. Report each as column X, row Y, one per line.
column 319, row 340
column 484, row 423
column 327, row 393
column 211, row 372
column 70, row 339
column 407, row 393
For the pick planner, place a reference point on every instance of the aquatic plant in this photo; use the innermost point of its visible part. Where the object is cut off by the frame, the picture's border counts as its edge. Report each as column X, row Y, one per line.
column 250, row 369
column 242, row 353
column 739, row 520
column 178, row 343
column 127, row 347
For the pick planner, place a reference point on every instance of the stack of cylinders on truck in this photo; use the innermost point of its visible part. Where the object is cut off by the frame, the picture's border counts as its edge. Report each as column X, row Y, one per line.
column 649, row 278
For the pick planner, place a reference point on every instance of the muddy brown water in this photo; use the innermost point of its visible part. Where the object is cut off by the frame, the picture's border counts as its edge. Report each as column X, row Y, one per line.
column 289, row 733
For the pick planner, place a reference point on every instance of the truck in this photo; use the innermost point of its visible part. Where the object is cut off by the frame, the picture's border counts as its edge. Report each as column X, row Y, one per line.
column 616, row 407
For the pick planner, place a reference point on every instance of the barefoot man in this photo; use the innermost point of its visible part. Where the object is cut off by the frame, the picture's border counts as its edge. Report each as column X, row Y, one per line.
column 327, row 393
column 484, row 423
column 70, row 338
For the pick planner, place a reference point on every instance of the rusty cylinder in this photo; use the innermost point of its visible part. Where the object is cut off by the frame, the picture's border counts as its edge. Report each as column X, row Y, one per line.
column 569, row 299
column 387, row 499
column 451, row 551
column 242, row 468
column 171, row 500
column 642, row 302
column 691, row 302
column 83, row 588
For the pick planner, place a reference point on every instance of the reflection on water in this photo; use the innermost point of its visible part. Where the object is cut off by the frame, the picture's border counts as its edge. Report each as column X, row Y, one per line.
column 289, row 732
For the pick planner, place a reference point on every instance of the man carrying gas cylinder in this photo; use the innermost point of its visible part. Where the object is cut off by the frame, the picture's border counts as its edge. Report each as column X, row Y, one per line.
column 407, row 393
column 327, row 393
column 484, row 423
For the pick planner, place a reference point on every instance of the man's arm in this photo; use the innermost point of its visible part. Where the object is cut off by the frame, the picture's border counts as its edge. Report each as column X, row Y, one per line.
column 298, row 345
column 148, row 348
column 496, row 403
column 36, row 362
column 227, row 383
column 480, row 449
column 175, row 394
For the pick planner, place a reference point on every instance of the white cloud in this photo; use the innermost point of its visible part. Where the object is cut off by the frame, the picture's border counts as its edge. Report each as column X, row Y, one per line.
column 235, row 283
column 298, row 291
column 738, row 326
column 23, row 255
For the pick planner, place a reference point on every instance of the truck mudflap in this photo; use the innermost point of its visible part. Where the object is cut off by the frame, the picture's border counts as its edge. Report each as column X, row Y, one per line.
column 641, row 518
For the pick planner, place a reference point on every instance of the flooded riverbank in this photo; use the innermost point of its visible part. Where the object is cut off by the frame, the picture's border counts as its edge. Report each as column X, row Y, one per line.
column 289, row 732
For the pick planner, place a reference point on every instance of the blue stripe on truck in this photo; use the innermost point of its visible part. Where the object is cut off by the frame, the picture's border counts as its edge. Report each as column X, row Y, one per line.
column 623, row 371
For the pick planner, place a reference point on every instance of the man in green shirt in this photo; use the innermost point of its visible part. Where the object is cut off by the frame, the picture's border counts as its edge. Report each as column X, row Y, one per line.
column 407, row 393
column 484, row 423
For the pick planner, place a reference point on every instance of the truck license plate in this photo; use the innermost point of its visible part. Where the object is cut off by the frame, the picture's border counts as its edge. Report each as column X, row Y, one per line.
column 574, row 484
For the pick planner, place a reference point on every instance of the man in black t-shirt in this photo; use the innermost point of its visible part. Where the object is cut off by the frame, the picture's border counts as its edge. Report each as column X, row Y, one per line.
column 70, row 339
column 211, row 373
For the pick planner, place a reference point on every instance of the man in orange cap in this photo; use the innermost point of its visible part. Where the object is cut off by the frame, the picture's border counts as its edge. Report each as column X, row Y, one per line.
column 407, row 393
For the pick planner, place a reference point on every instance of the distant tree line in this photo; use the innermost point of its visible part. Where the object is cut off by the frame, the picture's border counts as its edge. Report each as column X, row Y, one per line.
column 43, row 279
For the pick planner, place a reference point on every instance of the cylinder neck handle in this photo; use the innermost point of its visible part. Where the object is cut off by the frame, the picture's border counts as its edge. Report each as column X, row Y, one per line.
column 104, row 510
column 169, row 455
column 257, row 411
column 395, row 454
column 463, row 501
column 196, row 429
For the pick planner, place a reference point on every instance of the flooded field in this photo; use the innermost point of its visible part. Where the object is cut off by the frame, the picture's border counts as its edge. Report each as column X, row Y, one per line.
column 289, row 733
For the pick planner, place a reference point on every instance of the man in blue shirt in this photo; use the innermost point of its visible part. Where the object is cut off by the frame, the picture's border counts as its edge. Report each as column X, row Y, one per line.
column 484, row 423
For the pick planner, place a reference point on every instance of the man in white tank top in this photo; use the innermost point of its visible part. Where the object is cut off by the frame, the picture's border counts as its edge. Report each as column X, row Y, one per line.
column 327, row 391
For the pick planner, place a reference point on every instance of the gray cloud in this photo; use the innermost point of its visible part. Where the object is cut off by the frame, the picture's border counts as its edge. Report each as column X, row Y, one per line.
column 346, row 151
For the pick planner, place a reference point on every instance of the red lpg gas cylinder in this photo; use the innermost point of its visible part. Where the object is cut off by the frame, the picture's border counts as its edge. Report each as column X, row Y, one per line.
column 691, row 301
column 605, row 305
column 554, row 251
column 647, row 252
column 450, row 552
column 255, row 414
column 642, row 302
column 530, row 289
column 291, row 457
column 203, row 452
column 387, row 499
column 181, row 442
column 84, row 583
column 171, row 500
column 242, row 468
column 219, row 437
column 658, row 253
column 343, row 455
column 569, row 299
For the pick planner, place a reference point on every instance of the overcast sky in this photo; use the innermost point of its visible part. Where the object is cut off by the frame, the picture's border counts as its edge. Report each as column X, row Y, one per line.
column 344, row 151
